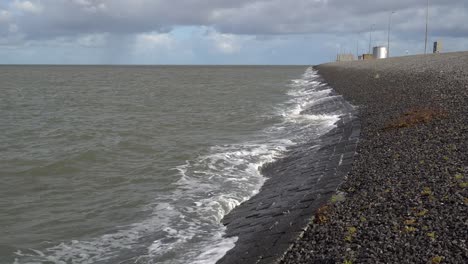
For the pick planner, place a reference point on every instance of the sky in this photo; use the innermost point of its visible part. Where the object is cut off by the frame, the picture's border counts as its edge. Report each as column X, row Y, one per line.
column 221, row 31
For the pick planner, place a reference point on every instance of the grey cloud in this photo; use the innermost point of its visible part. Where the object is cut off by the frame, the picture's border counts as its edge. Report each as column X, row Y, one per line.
column 252, row 17
column 333, row 16
column 118, row 16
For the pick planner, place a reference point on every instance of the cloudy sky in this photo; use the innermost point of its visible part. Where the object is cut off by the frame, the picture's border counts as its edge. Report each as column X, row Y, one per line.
column 219, row 31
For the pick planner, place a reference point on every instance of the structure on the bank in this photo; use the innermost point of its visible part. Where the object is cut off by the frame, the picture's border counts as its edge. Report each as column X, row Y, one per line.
column 380, row 52
column 367, row 57
column 437, row 47
column 345, row 57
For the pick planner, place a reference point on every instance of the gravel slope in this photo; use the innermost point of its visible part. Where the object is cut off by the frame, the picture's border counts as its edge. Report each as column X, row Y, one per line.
column 406, row 196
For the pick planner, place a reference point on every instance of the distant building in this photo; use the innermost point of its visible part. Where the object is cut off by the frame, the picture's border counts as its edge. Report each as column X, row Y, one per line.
column 345, row 57
column 367, row 56
column 437, row 47
column 380, row 52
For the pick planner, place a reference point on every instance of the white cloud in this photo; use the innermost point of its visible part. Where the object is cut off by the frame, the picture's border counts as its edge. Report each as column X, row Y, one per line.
column 28, row 6
column 155, row 40
column 91, row 6
column 4, row 16
column 226, row 43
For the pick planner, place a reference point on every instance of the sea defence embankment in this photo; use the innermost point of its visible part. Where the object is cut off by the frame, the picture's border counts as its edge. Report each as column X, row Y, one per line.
column 299, row 182
column 406, row 197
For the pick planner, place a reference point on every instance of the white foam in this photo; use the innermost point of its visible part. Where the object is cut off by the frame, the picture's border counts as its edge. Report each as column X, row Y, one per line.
column 238, row 165
column 217, row 251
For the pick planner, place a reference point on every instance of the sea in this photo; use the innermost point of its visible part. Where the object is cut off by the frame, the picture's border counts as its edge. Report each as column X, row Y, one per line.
column 139, row 164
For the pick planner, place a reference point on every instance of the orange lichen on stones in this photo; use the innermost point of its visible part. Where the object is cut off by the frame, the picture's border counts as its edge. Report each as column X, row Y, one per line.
column 415, row 117
column 436, row 260
column 321, row 216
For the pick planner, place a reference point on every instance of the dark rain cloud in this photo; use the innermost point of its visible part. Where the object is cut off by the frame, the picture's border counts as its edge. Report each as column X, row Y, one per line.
column 48, row 19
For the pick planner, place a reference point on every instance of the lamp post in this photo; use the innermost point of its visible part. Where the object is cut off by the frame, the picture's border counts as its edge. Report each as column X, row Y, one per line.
column 370, row 38
column 388, row 37
column 427, row 22
column 357, row 47
column 357, row 44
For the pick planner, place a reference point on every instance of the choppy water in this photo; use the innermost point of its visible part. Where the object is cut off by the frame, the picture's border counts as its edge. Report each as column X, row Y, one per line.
column 140, row 164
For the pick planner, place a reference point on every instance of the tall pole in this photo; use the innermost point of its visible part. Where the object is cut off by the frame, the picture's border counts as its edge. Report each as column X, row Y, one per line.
column 357, row 47
column 427, row 22
column 370, row 38
column 388, row 37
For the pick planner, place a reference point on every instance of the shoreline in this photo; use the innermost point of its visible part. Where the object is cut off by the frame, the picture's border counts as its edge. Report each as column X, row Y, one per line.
column 406, row 197
column 297, row 184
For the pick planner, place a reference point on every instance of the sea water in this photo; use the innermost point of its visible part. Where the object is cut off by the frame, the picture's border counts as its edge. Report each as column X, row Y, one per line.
column 139, row 164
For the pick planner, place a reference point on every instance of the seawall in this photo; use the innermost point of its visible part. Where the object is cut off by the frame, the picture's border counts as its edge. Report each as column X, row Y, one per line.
column 406, row 197
column 298, row 184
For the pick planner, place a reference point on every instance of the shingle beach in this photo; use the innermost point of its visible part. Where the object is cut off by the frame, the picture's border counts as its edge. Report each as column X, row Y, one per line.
column 405, row 199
